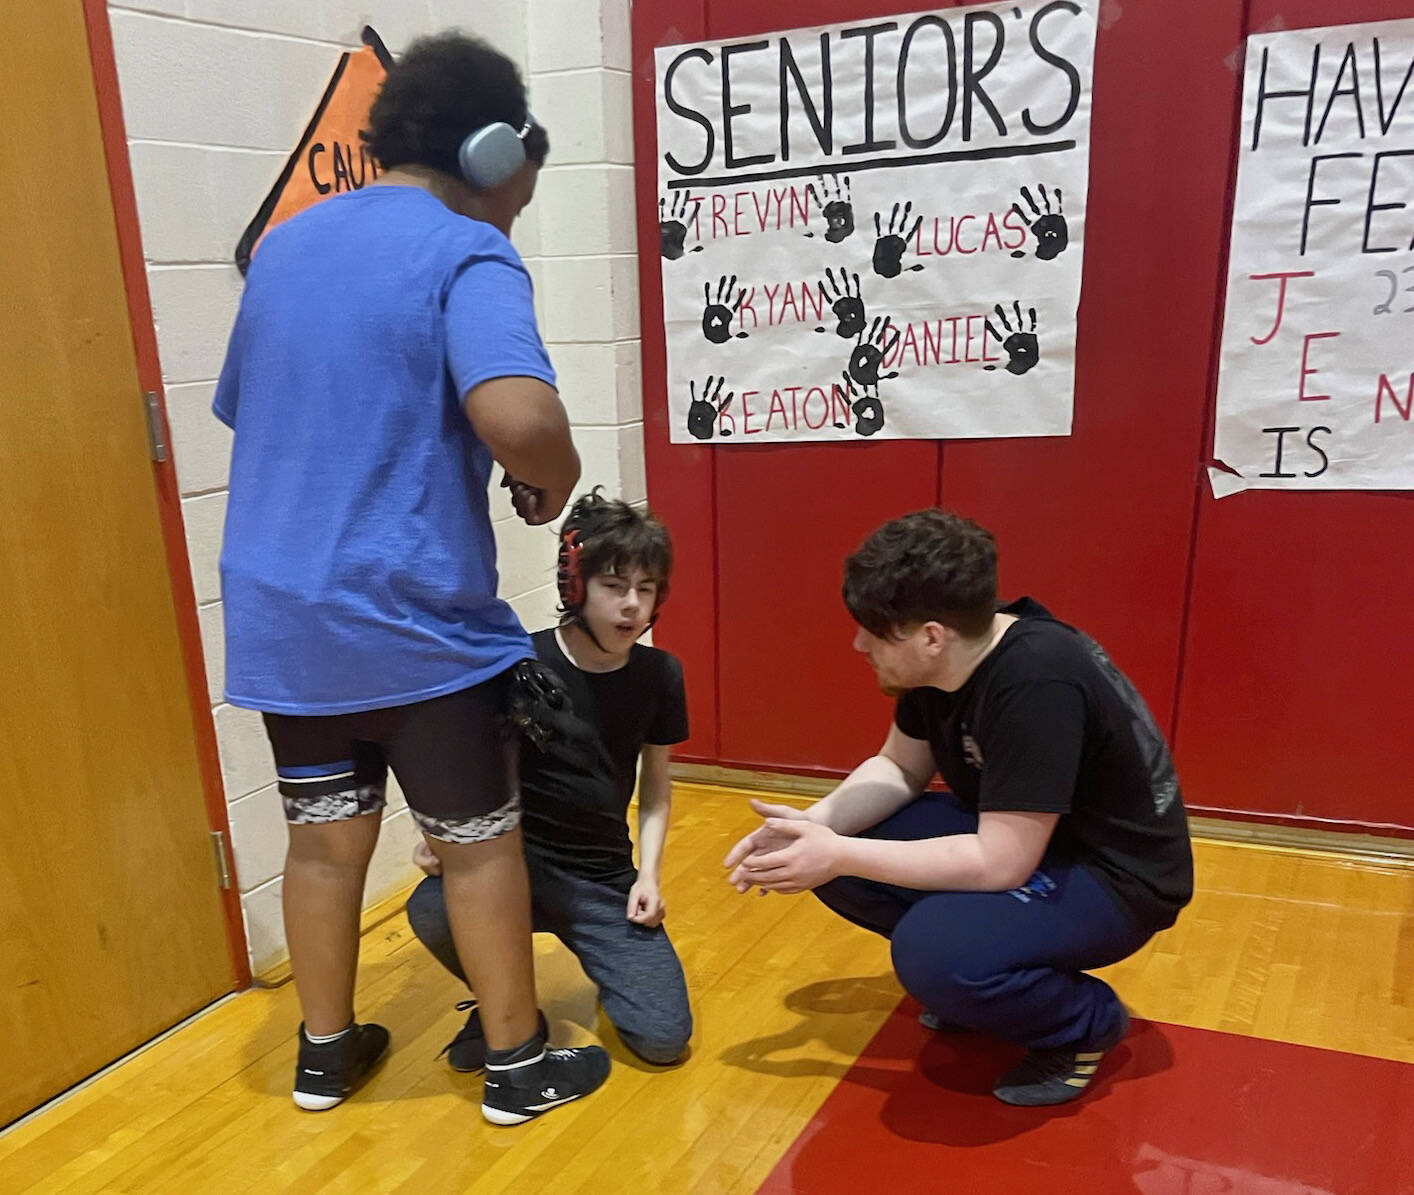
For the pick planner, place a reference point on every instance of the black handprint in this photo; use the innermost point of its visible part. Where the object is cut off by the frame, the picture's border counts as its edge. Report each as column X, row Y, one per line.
column 847, row 305
column 864, row 402
column 836, row 203
column 717, row 316
column 891, row 245
column 1021, row 347
column 870, row 352
column 1049, row 228
column 673, row 222
column 702, row 413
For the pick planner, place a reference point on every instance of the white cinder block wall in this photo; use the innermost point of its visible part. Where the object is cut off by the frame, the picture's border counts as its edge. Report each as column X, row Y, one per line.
column 216, row 94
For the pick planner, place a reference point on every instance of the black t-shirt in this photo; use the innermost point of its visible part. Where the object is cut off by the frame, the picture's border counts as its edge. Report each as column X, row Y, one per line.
column 577, row 816
column 1048, row 724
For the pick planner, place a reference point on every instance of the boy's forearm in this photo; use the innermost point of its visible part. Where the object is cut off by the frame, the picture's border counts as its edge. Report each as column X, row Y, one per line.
column 525, row 425
column 654, row 812
column 549, row 462
column 955, row 864
column 875, row 789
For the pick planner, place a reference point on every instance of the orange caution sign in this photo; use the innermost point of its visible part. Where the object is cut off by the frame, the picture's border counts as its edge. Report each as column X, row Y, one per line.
column 331, row 156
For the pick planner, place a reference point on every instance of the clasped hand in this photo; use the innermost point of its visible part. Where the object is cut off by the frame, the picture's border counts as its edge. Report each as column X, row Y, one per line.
column 788, row 853
column 535, row 505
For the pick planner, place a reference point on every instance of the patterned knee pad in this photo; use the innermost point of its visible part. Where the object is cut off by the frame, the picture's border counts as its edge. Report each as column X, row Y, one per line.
column 478, row 828
column 310, row 809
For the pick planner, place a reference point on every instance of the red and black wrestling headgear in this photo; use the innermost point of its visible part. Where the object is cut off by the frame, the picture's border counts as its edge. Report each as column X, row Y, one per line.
column 601, row 534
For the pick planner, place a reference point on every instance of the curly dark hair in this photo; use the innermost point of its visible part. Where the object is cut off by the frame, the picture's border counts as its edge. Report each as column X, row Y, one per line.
column 929, row 566
column 616, row 537
column 445, row 86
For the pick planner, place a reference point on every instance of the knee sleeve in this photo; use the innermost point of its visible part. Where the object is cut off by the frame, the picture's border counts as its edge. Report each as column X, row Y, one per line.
column 478, row 828
column 303, row 808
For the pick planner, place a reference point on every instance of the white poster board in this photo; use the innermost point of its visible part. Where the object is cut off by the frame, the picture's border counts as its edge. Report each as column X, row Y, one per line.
column 875, row 230
column 1317, row 378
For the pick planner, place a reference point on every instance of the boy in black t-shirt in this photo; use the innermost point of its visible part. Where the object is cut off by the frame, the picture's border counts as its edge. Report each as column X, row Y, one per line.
column 614, row 565
column 1062, row 846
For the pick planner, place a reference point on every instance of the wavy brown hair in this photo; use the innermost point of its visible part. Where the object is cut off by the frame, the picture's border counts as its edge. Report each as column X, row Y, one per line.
column 929, row 566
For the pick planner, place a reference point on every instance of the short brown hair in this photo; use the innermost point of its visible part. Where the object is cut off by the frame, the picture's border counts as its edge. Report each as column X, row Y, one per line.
column 928, row 566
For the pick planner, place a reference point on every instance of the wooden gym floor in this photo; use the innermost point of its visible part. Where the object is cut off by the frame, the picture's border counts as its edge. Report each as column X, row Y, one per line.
column 1279, row 944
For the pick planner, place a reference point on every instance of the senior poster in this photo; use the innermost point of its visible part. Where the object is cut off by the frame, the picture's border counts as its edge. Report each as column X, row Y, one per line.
column 874, row 230
column 1316, row 389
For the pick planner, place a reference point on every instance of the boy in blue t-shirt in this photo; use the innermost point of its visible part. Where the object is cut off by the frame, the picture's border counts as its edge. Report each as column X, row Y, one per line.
column 385, row 354
column 614, row 567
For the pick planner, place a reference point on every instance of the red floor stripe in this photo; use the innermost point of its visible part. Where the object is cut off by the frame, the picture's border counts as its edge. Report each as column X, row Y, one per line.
column 1173, row 1111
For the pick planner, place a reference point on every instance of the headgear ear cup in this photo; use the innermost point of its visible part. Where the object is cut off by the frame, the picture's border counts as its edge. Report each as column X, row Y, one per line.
column 491, row 155
column 568, row 576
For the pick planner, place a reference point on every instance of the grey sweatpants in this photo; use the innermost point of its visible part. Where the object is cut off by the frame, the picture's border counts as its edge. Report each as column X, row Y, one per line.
column 640, row 980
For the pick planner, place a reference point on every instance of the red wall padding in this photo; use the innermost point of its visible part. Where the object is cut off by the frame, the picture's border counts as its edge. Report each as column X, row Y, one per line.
column 1297, row 698
column 1265, row 629
column 1098, row 525
column 681, row 477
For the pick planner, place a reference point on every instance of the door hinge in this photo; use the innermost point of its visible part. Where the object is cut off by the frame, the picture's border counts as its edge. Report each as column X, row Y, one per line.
column 221, row 851
column 156, row 430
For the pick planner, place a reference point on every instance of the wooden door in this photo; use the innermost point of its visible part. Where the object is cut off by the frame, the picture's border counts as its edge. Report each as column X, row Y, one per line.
column 111, row 924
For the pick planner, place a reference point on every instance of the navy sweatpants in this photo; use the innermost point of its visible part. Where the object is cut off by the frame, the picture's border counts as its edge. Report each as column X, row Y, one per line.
column 1006, row 963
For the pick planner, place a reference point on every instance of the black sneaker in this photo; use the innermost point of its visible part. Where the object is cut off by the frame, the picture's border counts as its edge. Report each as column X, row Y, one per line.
column 466, row 1053
column 327, row 1072
column 527, row 1082
column 931, row 1020
column 1057, row 1076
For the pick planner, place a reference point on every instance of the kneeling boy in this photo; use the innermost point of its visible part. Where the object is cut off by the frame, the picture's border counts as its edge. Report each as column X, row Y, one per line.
column 614, row 565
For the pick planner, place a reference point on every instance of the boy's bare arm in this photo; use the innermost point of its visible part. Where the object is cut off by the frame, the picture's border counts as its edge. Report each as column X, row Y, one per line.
column 524, row 424
column 655, row 803
column 882, row 785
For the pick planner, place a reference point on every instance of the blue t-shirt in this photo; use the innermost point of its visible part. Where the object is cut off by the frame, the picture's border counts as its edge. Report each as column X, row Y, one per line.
column 359, row 567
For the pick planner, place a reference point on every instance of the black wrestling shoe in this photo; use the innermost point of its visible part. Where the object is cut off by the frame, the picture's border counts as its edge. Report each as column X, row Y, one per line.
column 466, row 1053
column 327, row 1072
column 931, row 1020
column 530, row 1080
column 1057, row 1076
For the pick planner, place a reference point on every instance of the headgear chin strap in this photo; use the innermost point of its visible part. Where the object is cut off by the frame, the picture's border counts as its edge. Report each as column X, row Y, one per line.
column 491, row 155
